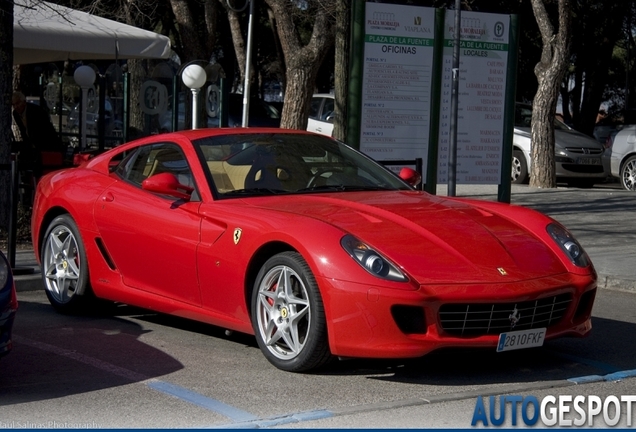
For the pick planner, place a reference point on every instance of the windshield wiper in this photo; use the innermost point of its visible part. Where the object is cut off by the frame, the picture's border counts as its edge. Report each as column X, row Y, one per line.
column 254, row 191
column 343, row 188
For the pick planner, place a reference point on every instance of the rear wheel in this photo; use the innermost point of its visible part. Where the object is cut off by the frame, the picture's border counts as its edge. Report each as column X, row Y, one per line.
column 628, row 174
column 64, row 266
column 519, row 173
column 288, row 315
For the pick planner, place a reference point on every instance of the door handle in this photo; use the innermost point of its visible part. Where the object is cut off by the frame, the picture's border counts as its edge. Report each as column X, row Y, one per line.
column 108, row 197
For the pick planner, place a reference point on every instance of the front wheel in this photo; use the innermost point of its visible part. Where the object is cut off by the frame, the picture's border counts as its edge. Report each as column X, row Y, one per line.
column 64, row 266
column 519, row 173
column 628, row 174
column 288, row 315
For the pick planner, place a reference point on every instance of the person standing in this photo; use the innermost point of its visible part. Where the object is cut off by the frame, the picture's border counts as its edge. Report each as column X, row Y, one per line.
column 33, row 133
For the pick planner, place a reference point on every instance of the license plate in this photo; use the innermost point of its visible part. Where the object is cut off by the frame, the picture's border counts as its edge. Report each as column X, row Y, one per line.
column 521, row 339
column 588, row 161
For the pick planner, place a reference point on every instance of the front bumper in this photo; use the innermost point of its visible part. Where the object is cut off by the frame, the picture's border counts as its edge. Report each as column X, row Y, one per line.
column 571, row 167
column 380, row 322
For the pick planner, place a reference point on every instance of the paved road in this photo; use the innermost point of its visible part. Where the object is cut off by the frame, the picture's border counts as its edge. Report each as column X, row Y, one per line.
column 131, row 368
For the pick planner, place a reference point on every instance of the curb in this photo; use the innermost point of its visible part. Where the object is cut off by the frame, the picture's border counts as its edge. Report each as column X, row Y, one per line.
column 32, row 282
column 614, row 283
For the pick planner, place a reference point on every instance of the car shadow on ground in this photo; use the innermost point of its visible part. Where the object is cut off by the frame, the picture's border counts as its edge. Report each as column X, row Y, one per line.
column 57, row 355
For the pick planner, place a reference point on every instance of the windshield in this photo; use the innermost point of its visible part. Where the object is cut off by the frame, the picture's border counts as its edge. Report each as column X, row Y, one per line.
column 523, row 118
column 260, row 164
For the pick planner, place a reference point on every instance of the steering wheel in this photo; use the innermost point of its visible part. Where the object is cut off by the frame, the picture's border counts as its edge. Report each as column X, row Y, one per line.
column 312, row 181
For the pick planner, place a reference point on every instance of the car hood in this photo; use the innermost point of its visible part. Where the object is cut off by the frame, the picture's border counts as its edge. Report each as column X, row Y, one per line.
column 434, row 239
column 564, row 138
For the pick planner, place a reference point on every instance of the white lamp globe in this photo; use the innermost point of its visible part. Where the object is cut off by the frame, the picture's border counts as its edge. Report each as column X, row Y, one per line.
column 194, row 76
column 84, row 76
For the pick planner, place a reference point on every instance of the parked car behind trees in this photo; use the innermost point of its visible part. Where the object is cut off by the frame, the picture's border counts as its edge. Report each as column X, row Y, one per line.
column 578, row 158
column 622, row 148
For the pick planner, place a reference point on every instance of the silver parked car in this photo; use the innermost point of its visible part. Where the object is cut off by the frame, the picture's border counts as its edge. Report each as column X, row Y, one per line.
column 622, row 151
column 578, row 157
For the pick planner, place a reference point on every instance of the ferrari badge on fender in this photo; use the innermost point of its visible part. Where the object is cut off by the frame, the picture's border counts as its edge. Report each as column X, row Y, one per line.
column 237, row 235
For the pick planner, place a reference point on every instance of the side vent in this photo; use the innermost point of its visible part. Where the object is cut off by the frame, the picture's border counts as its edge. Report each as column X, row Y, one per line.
column 105, row 255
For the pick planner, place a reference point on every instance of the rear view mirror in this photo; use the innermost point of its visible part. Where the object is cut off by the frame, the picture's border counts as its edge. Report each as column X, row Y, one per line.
column 167, row 184
column 410, row 176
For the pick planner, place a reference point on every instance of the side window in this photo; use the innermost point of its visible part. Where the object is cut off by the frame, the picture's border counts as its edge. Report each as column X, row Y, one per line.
column 154, row 159
column 314, row 108
column 327, row 111
column 131, row 168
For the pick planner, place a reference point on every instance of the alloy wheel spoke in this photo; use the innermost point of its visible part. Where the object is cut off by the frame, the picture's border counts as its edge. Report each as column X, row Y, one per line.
column 272, row 339
column 292, row 341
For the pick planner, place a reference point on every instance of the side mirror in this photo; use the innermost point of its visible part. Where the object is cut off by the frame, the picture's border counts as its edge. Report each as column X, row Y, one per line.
column 167, row 184
column 410, row 176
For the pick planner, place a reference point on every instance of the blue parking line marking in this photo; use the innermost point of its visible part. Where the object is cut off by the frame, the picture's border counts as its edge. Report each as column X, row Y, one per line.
column 587, row 379
column 615, row 376
column 232, row 413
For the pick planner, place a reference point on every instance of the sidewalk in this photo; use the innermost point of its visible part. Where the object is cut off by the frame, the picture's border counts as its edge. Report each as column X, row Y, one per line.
column 601, row 218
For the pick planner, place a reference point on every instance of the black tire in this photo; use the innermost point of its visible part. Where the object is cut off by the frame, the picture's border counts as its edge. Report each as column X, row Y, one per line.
column 519, row 174
column 628, row 174
column 295, row 304
column 64, row 266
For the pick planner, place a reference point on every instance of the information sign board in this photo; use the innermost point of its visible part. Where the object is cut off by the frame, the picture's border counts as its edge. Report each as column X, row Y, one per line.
column 396, row 93
column 482, row 97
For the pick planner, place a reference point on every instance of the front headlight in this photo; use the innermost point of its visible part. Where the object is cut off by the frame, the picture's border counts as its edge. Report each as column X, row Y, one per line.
column 371, row 260
column 4, row 271
column 569, row 245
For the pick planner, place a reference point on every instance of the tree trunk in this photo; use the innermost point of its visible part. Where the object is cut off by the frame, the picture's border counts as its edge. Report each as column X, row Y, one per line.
column 193, row 46
column 6, row 81
column 239, row 42
column 211, row 15
column 137, row 76
column 549, row 71
column 279, row 53
column 341, row 72
column 302, row 61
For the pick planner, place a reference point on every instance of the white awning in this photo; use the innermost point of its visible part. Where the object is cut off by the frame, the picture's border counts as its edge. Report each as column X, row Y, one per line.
column 46, row 32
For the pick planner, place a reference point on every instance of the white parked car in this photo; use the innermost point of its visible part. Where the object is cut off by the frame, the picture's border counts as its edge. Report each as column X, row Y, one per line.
column 578, row 157
column 622, row 150
column 321, row 112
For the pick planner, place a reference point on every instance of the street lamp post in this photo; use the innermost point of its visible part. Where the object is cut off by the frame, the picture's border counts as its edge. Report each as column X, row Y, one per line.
column 194, row 77
column 84, row 77
column 248, row 61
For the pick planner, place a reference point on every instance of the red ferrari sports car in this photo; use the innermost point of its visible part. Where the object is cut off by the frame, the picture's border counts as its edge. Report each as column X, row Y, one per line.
column 309, row 245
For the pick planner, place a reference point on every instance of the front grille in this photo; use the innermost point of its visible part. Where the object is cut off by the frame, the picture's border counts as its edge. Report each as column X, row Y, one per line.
column 585, row 151
column 478, row 319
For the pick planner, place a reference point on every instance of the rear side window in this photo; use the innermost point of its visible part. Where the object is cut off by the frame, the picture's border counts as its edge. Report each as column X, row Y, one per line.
column 314, row 108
